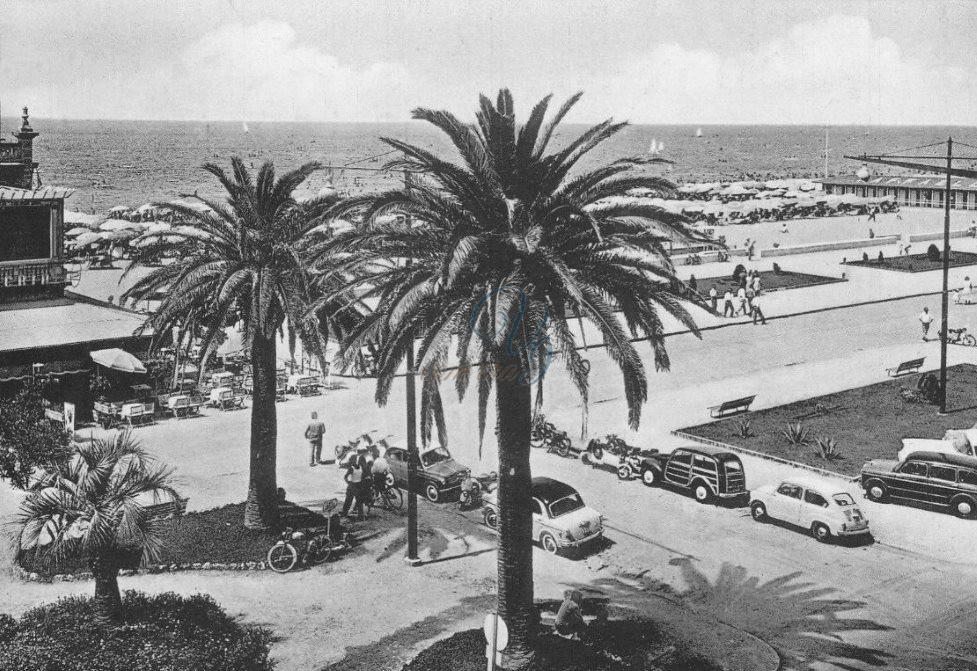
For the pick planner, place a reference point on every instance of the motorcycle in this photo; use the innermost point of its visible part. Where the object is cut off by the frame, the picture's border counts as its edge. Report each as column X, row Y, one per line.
column 473, row 488
column 544, row 433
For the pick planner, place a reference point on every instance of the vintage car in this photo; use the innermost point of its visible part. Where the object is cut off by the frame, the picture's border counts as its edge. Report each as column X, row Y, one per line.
column 708, row 472
column 560, row 517
column 816, row 504
column 912, row 445
column 937, row 479
column 438, row 474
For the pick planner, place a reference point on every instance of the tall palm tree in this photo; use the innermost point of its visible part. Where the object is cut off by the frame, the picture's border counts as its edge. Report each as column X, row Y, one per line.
column 94, row 505
column 238, row 260
column 505, row 249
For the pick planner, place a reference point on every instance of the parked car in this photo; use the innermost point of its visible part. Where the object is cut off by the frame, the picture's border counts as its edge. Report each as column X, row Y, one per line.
column 710, row 473
column 946, row 481
column 816, row 504
column 911, row 445
column 438, row 474
column 560, row 517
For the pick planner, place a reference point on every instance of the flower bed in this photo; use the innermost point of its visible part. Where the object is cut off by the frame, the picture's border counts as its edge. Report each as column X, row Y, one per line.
column 917, row 263
column 769, row 282
column 209, row 539
column 164, row 632
column 867, row 422
column 623, row 645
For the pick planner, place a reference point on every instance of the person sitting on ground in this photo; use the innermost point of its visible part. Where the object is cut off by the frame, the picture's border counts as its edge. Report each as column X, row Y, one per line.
column 865, row 257
column 569, row 619
column 881, row 258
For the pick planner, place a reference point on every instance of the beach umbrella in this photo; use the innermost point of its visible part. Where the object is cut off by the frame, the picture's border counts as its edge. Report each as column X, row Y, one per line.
column 118, row 359
column 158, row 227
column 87, row 239
column 121, row 234
column 148, row 207
column 77, row 230
column 807, row 186
column 119, row 208
column 118, row 224
column 82, row 219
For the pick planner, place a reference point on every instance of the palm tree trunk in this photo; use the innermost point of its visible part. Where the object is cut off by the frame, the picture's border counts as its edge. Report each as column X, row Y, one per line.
column 515, row 556
column 108, row 599
column 261, row 509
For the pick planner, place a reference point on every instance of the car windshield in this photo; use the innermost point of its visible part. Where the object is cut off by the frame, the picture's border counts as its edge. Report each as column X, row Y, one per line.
column 566, row 505
column 844, row 499
column 435, row 456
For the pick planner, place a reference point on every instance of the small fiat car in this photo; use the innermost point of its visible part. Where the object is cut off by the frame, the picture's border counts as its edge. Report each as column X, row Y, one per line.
column 561, row 520
column 818, row 505
column 438, row 474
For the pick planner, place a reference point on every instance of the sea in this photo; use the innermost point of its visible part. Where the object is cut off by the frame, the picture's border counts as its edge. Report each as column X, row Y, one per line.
column 109, row 162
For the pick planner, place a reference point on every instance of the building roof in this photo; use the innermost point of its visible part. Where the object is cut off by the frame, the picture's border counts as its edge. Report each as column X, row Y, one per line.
column 903, row 181
column 12, row 193
column 34, row 326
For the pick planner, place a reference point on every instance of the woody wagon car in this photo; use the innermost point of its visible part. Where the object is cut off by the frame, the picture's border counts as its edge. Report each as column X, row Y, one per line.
column 709, row 473
column 561, row 520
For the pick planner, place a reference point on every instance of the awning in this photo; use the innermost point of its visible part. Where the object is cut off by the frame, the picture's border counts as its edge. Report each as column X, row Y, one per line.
column 118, row 359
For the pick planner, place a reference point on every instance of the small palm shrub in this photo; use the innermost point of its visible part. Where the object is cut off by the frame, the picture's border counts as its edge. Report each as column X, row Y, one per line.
column 828, row 448
column 744, row 429
column 795, row 433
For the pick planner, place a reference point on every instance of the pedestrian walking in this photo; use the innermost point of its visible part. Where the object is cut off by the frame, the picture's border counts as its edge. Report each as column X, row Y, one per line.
column 741, row 301
column 756, row 284
column 713, row 297
column 313, row 434
column 757, row 312
column 728, row 309
column 925, row 318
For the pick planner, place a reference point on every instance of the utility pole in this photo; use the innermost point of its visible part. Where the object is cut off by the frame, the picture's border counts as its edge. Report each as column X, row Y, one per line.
column 946, row 273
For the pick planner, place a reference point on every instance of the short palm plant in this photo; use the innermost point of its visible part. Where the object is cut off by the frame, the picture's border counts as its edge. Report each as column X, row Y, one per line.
column 93, row 505
column 489, row 260
column 238, row 261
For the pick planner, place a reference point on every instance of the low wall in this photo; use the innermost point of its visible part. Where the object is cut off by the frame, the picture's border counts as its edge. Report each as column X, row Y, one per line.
column 923, row 237
column 877, row 241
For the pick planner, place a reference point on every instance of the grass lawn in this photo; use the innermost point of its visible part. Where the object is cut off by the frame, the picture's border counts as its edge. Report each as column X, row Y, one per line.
column 216, row 535
column 868, row 422
column 917, row 263
column 769, row 281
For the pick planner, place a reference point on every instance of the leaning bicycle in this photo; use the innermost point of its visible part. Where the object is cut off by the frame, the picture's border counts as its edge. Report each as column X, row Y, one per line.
column 388, row 498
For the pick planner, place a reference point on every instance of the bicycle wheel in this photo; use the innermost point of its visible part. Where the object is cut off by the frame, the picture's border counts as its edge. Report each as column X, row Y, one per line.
column 282, row 558
column 968, row 340
column 393, row 499
column 319, row 550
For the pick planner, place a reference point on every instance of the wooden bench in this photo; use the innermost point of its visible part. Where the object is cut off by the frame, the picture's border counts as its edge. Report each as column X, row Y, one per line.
column 167, row 509
column 911, row 366
column 734, row 407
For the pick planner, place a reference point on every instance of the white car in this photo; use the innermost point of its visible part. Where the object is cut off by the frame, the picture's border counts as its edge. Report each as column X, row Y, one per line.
column 912, row 445
column 560, row 517
column 816, row 504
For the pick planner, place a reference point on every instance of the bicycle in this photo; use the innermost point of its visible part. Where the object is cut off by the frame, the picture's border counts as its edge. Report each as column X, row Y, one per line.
column 308, row 546
column 388, row 498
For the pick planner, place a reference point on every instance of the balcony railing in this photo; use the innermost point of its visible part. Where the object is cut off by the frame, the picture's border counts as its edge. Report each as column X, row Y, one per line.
column 32, row 274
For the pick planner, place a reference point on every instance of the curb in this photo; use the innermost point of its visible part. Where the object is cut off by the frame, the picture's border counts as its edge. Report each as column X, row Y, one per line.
column 762, row 455
column 153, row 569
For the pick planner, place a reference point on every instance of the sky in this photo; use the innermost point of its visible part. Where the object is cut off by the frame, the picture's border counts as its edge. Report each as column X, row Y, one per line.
column 685, row 61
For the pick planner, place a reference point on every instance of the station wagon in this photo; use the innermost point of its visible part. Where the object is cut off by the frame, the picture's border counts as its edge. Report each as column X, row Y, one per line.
column 708, row 472
column 945, row 481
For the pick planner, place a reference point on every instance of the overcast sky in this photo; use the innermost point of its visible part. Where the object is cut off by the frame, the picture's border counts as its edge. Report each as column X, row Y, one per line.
column 695, row 62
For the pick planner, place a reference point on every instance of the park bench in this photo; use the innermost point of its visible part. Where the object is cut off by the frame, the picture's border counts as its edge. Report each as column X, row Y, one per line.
column 910, row 366
column 734, row 407
column 167, row 509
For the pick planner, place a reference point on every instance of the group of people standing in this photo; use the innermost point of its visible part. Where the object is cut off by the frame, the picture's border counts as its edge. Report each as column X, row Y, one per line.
column 366, row 473
column 745, row 301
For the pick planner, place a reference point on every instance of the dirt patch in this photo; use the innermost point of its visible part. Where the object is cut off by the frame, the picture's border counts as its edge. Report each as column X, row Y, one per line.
column 867, row 422
column 769, row 281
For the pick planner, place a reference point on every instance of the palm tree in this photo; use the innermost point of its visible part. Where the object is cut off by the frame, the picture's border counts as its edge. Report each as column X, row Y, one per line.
column 94, row 505
column 509, row 246
column 238, row 261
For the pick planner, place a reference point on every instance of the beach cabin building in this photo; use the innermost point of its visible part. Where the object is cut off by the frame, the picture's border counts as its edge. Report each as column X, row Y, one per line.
column 908, row 190
column 46, row 329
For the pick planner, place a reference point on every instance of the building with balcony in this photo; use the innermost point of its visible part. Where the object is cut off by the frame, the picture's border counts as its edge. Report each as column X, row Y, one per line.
column 45, row 329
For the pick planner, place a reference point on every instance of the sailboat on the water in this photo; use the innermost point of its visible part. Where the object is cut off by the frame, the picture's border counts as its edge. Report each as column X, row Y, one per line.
column 698, row 132
column 244, row 127
column 656, row 147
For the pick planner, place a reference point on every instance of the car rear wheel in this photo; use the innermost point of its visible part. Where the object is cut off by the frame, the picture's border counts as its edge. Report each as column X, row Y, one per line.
column 964, row 508
column 549, row 543
column 432, row 492
column 649, row 477
column 876, row 491
column 758, row 511
column 702, row 492
column 821, row 532
column 491, row 519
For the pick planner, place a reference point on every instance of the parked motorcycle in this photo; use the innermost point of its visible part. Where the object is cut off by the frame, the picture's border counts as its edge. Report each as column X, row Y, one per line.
column 474, row 486
column 544, row 433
